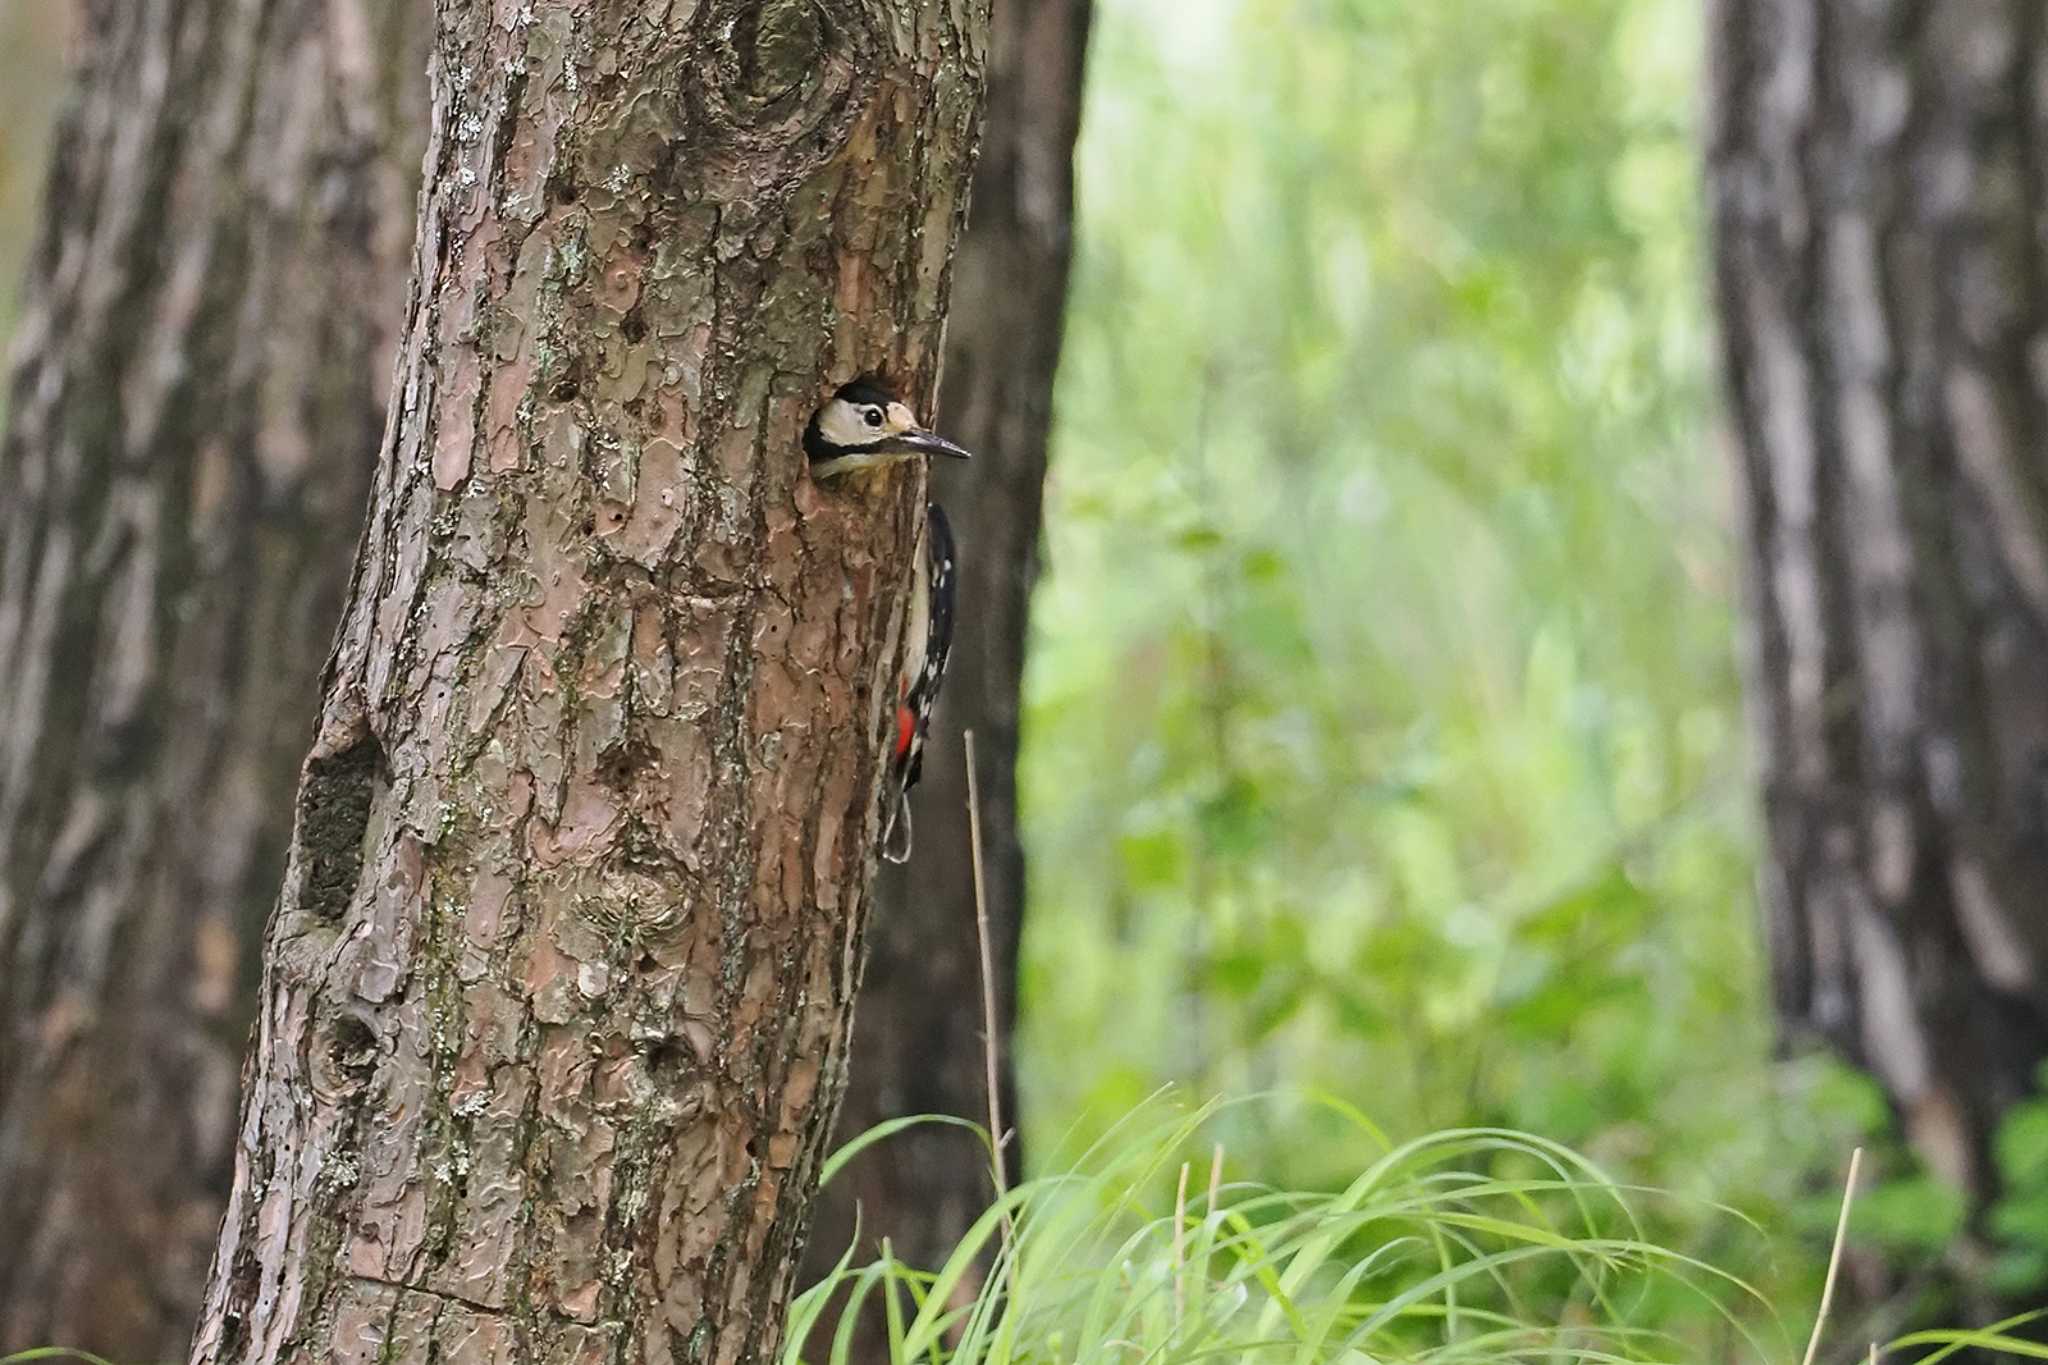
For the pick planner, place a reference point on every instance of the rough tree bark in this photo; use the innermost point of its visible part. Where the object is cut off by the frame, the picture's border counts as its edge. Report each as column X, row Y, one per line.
column 1878, row 174
column 201, row 363
column 557, row 991
column 917, row 1037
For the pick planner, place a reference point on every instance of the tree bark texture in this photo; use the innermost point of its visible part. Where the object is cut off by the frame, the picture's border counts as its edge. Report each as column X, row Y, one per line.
column 558, row 988
column 1879, row 177
column 917, row 1037
column 200, row 373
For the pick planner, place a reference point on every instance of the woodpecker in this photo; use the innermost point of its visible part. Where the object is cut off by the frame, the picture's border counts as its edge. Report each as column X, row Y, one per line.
column 928, row 642
column 865, row 425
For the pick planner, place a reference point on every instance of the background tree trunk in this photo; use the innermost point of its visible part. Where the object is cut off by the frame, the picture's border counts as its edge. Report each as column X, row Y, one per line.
column 201, row 367
column 1879, row 173
column 557, row 993
column 917, row 1036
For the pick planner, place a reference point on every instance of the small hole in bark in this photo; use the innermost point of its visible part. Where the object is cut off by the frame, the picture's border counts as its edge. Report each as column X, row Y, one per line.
column 566, row 390
column 779, row 46
column 666, row 1059
column 334, row 812
column 345, row 1058
column 566, row 192
column 616, row 765
column 634, row 328
column 353, row 1048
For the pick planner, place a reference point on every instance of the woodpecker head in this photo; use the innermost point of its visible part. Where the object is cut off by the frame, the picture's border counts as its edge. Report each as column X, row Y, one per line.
column 865, row 425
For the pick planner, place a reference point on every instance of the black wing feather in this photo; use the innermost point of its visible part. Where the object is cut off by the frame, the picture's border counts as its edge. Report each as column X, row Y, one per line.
column 940, row 564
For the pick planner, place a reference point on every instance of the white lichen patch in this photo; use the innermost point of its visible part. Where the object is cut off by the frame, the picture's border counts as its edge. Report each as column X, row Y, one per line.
column 572, row 255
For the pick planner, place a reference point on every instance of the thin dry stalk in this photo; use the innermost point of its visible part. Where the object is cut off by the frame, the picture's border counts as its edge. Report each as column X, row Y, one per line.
column 991, row 1041
column 1827, row 1289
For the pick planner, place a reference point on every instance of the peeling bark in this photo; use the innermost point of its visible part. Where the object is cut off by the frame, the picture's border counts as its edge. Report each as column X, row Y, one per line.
column 558, row 988
column 1878, row 175
column 917, row 1041
column 200, row 374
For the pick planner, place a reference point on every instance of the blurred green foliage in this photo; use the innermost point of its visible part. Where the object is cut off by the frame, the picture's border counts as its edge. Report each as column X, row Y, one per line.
column 2019, row 1221
column 1383, row 734
column 31, row 71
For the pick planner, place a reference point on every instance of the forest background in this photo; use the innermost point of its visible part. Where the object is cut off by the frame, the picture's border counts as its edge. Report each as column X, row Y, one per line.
column 1382, row 733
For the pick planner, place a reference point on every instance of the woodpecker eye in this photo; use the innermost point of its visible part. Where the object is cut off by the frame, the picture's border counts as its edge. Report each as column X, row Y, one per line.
column 873, row 417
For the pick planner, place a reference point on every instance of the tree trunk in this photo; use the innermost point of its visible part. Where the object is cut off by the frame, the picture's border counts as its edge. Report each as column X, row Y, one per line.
column 917, row 1042
column 1878, row 175
column 203, row 351
column 557, row 992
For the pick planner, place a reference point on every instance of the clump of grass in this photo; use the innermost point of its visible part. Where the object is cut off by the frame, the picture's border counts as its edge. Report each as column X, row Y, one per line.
column 1477, row 1244
column 1473, row 1245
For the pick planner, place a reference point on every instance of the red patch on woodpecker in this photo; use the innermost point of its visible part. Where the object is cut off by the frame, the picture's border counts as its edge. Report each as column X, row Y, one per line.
column 906, row 729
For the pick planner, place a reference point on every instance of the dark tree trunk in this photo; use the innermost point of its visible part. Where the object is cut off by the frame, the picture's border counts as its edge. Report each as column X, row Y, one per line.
column 1879, row 173
column 559, row 986
column 203, row 354
column 917, row 1041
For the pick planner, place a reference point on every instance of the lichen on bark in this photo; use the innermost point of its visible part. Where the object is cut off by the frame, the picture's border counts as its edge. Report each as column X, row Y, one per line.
column 554, row 1082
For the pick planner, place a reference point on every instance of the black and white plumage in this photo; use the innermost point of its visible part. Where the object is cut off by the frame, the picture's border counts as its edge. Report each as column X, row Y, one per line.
column 928, row 644
column 866, row 425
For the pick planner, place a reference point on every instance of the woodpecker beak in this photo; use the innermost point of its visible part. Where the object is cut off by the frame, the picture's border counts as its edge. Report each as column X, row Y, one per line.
column 918, row 441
